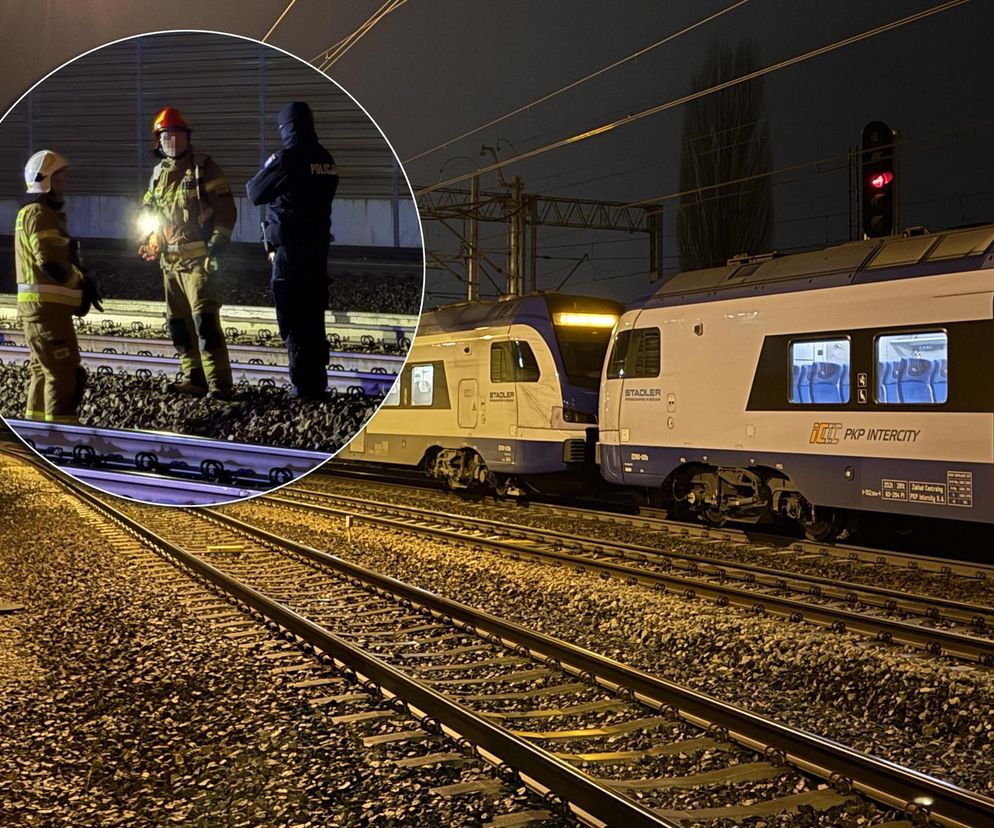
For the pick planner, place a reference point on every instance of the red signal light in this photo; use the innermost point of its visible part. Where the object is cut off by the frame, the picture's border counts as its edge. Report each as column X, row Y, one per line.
column 881, row 180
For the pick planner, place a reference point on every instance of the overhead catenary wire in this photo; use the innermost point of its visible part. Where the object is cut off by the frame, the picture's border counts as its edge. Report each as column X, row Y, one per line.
column 279, row 20
column 630, row 119
column 331, row 55
column 576, row 83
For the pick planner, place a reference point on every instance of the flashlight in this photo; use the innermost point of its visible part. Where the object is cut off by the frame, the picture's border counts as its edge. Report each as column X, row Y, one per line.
column 148, row 223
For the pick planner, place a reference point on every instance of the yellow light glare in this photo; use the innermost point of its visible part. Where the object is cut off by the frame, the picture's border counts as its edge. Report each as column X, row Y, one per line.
column 586, row 320
column 148, row 223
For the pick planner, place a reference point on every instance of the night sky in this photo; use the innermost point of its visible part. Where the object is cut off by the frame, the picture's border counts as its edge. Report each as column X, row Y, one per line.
column 433, row 69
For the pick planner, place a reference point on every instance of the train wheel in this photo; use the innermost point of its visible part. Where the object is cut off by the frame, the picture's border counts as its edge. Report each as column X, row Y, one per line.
column 827, row 525
column 712, row 517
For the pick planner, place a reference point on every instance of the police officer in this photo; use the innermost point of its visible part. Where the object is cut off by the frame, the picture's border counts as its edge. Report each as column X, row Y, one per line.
column 299, row 183
column 187, row 219
column 51, row 287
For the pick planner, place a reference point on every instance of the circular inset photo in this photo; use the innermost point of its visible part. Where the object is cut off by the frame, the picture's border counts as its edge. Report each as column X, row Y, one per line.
column 213, row 267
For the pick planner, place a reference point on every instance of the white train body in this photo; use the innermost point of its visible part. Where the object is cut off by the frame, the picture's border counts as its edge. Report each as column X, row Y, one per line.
column 804, row 387
column 495, row 393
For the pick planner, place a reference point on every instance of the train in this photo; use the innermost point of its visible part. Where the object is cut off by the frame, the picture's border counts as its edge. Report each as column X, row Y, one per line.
column 498, row 394
column 804, row 389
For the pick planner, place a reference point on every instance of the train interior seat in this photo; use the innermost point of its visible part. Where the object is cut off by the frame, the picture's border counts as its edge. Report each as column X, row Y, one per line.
column 939, row 380
column 804, row 383
column 914, row 380
column 826, row 380
column 892, row 392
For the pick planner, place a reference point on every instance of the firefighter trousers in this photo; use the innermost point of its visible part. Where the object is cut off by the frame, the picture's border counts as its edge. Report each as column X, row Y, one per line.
column 55, row 377
column 193, row 310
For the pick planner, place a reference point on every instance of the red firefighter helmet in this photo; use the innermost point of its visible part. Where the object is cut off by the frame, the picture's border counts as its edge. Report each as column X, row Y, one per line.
column 169, row 118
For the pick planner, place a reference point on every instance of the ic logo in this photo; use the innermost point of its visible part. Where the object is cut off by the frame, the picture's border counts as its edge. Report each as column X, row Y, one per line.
column 825, row 433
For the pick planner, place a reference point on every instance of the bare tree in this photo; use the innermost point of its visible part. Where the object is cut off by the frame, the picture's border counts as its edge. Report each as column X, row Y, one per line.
column 725, row 139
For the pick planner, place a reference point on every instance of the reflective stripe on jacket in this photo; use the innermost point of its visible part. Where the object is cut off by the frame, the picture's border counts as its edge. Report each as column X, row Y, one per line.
column 41, row 237
column 192, row 201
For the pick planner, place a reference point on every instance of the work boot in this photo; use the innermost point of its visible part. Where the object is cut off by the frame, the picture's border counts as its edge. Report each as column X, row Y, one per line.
column 188, row 388
column 223, row 394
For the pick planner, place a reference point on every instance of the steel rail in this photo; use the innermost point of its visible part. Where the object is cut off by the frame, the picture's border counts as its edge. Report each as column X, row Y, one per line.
column 781, row 579
column 879, row 779
column 345, row 382
column 847, row 552
column 591, row 802
column 935, row 641
column 179, row 455
column 97, row 344
column 349, row 326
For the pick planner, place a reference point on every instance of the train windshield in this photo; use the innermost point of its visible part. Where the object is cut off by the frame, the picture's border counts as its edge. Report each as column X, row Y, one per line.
column 583, row 350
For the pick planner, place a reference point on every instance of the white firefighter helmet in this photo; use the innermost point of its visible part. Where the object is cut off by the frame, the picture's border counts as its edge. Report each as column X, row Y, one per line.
column 40, row 168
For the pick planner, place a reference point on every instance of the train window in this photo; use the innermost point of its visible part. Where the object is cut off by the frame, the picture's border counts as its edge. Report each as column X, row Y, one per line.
column 500, row 362
column 422, row 384
column 619, row 354
column 513, row 362
column 912, row 368
column 525, row 364
column 393, row 395
column 819, row 372
column 644, row 353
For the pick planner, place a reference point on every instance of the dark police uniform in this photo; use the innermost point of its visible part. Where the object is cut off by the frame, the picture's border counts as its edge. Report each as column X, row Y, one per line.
column 299, row 183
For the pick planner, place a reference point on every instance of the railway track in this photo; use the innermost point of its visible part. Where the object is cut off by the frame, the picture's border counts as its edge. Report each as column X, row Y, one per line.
column 938, row 626
column 537, row 709
column 655, row 520
column 98, row 346
column 160, row 467
column 374, row 381
column 144, row 319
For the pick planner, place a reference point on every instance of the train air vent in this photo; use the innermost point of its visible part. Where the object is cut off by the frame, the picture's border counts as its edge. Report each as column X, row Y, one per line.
column 574, row 451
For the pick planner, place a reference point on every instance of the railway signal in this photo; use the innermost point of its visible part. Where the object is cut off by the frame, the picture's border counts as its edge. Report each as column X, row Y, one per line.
column 878, row 180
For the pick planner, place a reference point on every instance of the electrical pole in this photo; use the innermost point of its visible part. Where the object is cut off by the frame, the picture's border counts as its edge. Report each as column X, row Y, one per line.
column 473, row 259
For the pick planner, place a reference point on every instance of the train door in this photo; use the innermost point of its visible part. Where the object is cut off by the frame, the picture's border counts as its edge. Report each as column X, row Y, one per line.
column 609, row 408
column 631, row 405
column 468, row 407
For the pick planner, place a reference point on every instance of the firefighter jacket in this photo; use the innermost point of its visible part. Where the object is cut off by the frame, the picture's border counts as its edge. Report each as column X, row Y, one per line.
column 47, row 277
column 193, row 204
column 299, row 183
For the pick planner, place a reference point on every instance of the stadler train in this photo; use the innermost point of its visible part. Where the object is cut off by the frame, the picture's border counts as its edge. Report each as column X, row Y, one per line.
column 501, row 394
column 804, row 388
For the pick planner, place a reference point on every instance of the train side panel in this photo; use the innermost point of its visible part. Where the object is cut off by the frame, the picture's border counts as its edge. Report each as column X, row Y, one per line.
column 724, row 395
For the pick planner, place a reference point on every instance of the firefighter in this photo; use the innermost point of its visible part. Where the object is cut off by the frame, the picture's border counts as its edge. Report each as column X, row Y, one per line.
column 51, row 288
column 299, row 183
column 187, row 217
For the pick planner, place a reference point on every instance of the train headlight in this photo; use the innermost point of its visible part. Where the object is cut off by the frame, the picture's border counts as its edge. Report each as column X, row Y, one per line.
column 585, row 320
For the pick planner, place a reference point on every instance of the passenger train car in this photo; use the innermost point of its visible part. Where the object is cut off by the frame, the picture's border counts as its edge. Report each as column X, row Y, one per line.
column 498, row 394
column 810, row 387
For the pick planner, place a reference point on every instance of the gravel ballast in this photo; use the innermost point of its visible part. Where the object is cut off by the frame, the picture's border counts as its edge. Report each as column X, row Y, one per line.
column 260, row 416
column 121, row 707
column 930, row 714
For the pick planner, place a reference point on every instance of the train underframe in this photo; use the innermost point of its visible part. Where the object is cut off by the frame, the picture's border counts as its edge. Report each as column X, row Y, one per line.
column 757, row 495
column 463, row 469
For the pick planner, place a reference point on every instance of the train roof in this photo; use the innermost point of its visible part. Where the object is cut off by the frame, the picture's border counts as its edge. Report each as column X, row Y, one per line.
column 871, row 260
column 509, row 310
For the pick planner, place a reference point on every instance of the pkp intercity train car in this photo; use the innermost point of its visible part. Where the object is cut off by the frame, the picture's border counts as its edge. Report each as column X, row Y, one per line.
column 812, row 387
